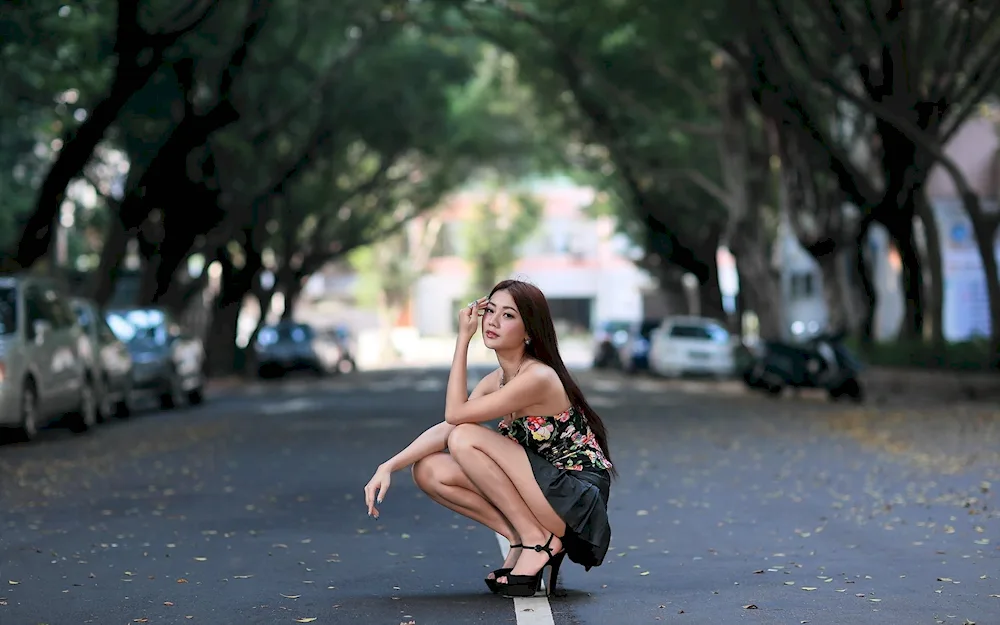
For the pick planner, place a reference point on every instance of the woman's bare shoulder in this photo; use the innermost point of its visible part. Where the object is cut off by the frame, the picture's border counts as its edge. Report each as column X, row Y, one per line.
column 541, row 372
column 489, row 384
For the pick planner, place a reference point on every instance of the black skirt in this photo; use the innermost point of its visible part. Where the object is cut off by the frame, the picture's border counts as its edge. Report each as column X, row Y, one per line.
column 580, row 498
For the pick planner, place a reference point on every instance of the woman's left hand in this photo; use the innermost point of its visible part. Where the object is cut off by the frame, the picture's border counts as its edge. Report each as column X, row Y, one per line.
column 468, row 318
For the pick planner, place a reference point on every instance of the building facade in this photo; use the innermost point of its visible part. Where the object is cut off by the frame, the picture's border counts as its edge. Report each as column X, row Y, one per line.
column 578, row 260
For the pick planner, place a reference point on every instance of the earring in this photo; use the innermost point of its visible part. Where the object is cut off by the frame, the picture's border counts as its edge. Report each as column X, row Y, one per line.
column 527, row 341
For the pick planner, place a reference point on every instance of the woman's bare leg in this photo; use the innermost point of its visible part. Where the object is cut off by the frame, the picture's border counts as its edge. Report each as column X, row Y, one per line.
column 445, row 482
column 499, row 468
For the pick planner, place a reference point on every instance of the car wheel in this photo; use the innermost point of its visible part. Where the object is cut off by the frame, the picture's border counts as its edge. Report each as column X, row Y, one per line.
column 197, row 396
column 126, row 405
column 85, row 417
column 27, row 430
column 107, row 408
column 173, row 396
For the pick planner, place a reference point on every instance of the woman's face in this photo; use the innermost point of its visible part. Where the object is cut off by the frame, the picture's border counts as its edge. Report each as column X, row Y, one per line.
column 503, row 327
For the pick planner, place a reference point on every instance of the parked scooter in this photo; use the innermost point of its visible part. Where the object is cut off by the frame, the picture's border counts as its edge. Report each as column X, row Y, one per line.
column 823, row 362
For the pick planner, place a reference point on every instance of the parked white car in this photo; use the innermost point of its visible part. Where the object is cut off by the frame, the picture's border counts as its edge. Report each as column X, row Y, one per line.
column 43, row 354
column 691, row 345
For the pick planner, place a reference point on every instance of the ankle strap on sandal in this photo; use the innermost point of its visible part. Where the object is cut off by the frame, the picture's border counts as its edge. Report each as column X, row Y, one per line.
column 546, row 548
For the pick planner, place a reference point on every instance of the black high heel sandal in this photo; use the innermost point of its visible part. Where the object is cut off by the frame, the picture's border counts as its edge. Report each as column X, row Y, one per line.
column 528, row 585
column 492, row 583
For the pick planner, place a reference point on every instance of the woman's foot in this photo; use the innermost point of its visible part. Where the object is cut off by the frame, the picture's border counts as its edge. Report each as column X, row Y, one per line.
column 509, row 561
column 532, row 560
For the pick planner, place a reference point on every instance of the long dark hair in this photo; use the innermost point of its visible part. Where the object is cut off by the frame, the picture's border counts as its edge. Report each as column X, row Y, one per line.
column 544, row 347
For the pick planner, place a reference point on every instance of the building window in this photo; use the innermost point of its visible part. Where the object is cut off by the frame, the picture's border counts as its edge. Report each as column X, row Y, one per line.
column 803, row 286
column 445, row 245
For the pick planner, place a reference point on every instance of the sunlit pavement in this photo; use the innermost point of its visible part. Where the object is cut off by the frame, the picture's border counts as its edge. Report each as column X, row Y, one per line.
column 730, row 509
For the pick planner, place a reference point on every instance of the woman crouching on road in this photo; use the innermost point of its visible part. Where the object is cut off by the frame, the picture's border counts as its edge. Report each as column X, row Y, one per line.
column 541, row 479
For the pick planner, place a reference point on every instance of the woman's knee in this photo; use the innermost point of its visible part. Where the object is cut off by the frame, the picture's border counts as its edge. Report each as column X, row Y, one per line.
column 463, row 436
column 429, row 470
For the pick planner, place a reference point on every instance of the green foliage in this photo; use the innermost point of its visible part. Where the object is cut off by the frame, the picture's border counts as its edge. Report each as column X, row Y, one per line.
column 499, row 226
column 959, row 356
column 51, row 66
column 631, row 89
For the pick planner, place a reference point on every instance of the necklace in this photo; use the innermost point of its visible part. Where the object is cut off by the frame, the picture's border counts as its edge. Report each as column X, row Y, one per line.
column 503, row 380
column 503, row 375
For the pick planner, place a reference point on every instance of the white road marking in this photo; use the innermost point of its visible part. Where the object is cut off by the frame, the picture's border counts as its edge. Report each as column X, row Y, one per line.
column 292, row 405
column 529, row 610
column 600, row 401
column 429, row 384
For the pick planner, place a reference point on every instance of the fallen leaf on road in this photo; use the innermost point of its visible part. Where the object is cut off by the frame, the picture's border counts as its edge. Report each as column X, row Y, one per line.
column 12, row 582
column 242, row 576
column 168, row 603
column 644, row 573
column 308, row 619
column 289, row 596
column 182, row 581
column 200, row 559
column 750, row 607
column 789, row 583
column 808, row 588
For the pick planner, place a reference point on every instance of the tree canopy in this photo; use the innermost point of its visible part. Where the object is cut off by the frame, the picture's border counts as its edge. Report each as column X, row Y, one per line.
column 272, row 136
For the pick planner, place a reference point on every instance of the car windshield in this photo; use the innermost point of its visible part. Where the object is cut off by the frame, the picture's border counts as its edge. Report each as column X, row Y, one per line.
column 8, row 310
column 647, row 327
column 285, row 333
column 615, row 326
column 83, row 316
column 133, row 326
column 700, row 332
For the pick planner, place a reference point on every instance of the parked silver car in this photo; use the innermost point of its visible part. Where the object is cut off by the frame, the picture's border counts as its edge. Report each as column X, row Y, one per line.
column 292, row 346
column 42, row 354
column 109, row 360
column 167, row 361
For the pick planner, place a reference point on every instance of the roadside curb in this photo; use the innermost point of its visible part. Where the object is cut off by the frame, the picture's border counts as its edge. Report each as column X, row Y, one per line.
column 224, row 383
column 935, row 384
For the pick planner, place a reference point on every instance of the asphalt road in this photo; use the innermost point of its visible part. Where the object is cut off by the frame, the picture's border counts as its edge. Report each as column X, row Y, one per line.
column 729, row 509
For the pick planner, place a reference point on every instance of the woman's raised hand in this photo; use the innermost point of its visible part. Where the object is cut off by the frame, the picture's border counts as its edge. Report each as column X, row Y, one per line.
column 468, row 318
column 376, row 488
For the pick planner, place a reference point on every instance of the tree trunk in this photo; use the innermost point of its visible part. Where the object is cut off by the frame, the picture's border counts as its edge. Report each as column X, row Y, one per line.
column 710, row 292
column 291, row 291
column 761, row 286
column 221, row 348
column 264, row 299
column 837, row 306
column 112, row 255
column 986, row 235
column 935, row 291
column 864, row 272
column 913, row 285
column 387, row 314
